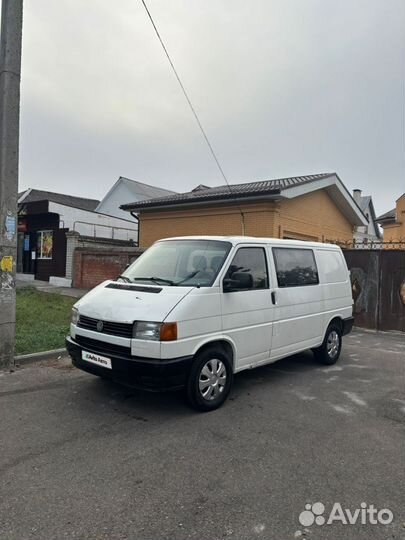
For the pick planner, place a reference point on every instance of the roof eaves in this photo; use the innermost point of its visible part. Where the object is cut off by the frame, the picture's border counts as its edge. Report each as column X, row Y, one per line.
column 374, row 218
column 239, row 192
column 198, row 201
column 23, row 195
column 77, row 206
column 351, row 196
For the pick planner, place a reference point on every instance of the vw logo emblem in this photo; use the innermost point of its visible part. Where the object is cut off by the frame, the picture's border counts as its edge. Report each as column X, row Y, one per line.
column 100, row 326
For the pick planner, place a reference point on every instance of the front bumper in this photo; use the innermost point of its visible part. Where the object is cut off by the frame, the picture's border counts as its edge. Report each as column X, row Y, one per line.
column 347, row 325
column 147, row 373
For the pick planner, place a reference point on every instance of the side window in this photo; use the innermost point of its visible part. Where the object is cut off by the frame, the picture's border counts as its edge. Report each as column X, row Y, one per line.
column 248, row 270
column 333, row 266
column 295, row 267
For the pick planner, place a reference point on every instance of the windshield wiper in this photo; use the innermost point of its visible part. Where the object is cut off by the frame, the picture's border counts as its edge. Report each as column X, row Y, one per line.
column 124, row 278
column 155, row 279
column 191, row 275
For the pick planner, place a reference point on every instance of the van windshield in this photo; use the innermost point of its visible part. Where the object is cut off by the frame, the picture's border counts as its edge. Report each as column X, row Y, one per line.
column 186, row 263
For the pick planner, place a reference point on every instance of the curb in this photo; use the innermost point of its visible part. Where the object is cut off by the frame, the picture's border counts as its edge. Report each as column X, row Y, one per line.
column 37, row 357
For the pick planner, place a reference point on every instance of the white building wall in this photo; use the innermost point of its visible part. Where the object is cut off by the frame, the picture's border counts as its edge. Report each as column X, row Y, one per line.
column 121, row 194
column 94, row 224
column 367, row 232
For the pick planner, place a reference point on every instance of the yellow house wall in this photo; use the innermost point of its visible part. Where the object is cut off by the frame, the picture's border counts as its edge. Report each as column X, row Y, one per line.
column 308, row 217
column 314, row 217
column 395, row 232
column 221, row 220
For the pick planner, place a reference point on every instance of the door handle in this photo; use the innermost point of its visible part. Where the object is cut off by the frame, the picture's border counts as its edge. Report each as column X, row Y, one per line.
column 273, row 298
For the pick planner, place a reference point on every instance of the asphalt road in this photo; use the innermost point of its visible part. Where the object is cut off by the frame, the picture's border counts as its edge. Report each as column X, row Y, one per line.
column 83, row 458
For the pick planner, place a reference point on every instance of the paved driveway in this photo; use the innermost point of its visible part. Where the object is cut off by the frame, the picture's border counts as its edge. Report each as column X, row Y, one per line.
column 83, row 458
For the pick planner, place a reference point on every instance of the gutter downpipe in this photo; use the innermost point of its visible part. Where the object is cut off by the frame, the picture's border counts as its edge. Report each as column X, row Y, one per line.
column 243, row 223
column 136, row 217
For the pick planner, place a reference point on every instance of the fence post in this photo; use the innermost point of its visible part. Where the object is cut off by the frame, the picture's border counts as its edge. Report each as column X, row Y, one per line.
column 377, row 322
column 72, row 242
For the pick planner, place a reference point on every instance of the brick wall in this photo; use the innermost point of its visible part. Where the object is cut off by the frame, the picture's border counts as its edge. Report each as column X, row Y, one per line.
column 93, row 266
column 76, row 240
column 395, row 232
column 309, row 217
column 314, row 217
column 223, row 220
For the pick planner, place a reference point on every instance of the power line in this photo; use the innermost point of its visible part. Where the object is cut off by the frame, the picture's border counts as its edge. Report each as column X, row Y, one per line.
column 192, row 108
column 185, row 93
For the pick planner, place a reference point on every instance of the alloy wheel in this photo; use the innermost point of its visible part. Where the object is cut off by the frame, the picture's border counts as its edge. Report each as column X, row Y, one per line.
column 332, row 345
column 212, row 379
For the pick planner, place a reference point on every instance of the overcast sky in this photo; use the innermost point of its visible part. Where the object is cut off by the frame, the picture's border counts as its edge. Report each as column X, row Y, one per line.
column 282, row 87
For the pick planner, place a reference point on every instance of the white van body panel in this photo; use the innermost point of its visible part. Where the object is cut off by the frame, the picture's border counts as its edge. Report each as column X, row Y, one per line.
column 336, row 286
column 302, row 314
column 199, row 321
column 258, row 330
column 247, row 320
column 127, row 306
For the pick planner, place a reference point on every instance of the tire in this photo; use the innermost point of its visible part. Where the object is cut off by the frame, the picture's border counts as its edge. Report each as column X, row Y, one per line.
column 210, row 380
column 328, row 353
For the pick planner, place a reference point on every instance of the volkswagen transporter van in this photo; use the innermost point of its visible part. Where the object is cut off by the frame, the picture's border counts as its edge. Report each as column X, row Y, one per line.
column 193, row 311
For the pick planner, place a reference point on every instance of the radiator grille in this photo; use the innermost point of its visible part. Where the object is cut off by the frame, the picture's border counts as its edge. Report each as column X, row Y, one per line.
column 111, row 328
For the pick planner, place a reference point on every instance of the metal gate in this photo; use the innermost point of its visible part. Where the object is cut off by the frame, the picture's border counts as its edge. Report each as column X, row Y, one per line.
column 378, row 284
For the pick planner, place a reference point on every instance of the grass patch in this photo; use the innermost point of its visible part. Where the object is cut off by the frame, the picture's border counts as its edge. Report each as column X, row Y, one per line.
column 43, row 320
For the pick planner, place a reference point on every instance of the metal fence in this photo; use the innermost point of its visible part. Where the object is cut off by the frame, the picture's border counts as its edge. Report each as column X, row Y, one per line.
column 99, row 230
column 378, row 285
column 371, row 244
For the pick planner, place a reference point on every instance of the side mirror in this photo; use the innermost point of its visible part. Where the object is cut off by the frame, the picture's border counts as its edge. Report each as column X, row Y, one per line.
column 240, row 281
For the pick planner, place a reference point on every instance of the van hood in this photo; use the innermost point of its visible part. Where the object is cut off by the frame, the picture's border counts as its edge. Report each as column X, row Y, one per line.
column 122, row 302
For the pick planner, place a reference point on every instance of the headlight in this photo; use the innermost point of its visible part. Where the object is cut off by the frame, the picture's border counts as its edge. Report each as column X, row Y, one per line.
column 147, row 330
column 155, row 331
column 75, row 316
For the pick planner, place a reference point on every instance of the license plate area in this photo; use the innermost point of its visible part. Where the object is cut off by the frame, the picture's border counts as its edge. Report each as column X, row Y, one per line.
column 97, row 359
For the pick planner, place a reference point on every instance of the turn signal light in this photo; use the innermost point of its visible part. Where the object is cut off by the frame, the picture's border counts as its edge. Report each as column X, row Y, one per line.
column 168, row 331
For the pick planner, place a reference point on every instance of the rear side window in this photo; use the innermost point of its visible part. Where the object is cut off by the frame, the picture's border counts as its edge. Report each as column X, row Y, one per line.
column 333, row 266
column 295, row 267
column 250, row 261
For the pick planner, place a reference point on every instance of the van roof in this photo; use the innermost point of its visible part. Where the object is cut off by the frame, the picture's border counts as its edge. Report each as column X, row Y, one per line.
column 255, row 239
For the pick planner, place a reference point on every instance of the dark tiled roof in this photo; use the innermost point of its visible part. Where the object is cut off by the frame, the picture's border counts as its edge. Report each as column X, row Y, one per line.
column 200, row 187
column 234, row 191
column 387, row 216
column 36, row 195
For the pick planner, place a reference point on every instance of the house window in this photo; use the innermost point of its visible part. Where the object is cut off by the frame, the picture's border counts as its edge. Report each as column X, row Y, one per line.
column 44, row 244
column 295, row 267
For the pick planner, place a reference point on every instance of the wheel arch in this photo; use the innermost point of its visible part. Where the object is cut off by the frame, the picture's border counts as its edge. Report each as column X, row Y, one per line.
column 336, row 319
column 227, row 346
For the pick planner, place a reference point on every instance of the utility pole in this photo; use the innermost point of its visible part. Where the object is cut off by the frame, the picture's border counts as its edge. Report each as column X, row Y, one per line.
column 10, row 68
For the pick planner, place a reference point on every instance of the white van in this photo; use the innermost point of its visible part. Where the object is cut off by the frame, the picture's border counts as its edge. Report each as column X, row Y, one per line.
column 193, row 311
